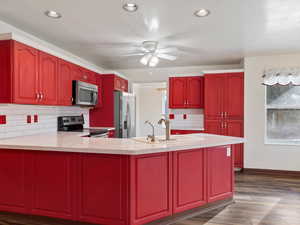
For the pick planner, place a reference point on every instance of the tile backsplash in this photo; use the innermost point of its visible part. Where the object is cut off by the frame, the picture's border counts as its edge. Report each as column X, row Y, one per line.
column 187, row 119
column 16, row 118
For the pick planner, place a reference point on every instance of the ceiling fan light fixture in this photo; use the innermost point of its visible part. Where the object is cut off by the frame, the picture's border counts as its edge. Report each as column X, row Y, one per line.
column 153, row 61
column 130, row 7
column 145, row 59
column 53, row 14
column 202, row 13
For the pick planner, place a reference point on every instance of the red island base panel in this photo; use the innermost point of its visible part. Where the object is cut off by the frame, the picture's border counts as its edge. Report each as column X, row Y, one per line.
column 114, row 189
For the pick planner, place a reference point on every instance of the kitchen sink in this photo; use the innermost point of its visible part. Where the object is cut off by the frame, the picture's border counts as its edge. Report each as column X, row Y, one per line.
column 157, row 141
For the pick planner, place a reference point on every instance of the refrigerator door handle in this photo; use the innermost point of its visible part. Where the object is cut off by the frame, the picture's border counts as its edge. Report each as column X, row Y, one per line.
column 125, row 125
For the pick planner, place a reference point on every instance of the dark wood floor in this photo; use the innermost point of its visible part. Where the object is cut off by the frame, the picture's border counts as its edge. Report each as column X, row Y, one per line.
column 259, row 200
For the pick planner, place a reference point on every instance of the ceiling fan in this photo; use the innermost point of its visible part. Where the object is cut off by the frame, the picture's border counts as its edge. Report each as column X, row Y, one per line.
column 151, row 53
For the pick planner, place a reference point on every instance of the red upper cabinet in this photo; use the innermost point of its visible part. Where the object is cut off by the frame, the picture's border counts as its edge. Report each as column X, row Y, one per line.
column 234, row 96
column 120, row 84
column 177, row 92
column 48, row 65
column 186, row 92
column 224, row 96
column 195, row 92
column 214, row 94
column 25, row 74
column 64, row 83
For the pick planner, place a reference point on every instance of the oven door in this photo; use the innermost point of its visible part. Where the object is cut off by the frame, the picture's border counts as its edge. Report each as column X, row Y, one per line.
column 85, row 94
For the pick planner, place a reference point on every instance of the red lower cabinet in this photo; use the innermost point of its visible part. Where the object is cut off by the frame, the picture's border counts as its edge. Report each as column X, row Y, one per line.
column 189, row 182
column 102, row 189
column 113, row 189
column 151, row 187
column 220, row 174
column 14, row 181
column 52, row 195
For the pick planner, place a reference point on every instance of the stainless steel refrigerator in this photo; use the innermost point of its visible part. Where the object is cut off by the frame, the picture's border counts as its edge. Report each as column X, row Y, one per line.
column 124, row 113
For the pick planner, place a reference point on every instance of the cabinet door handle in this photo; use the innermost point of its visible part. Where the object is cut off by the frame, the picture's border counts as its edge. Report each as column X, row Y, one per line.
column 42, row 96
column 225, row 125
column 225, row 114
column 37, row 96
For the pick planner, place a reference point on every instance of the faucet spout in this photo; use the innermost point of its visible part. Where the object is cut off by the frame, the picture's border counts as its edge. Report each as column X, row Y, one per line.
column 151, row 137
column 167, row 124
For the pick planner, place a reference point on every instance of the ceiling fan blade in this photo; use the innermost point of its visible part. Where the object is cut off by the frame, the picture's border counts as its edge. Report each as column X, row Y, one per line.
column 133, row 54
column 165, row 56
column 145, row 59
column 167, row 50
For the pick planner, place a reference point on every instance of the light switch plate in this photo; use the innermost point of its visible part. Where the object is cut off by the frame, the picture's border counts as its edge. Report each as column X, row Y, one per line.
column 228, row 152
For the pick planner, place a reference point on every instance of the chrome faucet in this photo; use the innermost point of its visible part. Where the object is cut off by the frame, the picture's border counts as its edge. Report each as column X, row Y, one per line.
column 167, row 124
column 151, row 137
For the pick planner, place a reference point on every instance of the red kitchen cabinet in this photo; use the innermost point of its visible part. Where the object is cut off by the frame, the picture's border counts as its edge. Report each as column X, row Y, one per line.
column 234, row 96
column 64, row 83
column 177, row 92
column 151, row 187
column 30, row 76
column 235, row 128
column 120, row 84
column 181, row 132
column 52, row 195
column 195, row 92
column 214, row 127
column 113, row 189
column 25, row 80
column 224, row 96
column 103, row 188
column 15, row 183
column 104, row 116
column 214, row 94
column 220, row 174
column 224, row 108
column 48, row 68
column 186, row 92
column 189, row 182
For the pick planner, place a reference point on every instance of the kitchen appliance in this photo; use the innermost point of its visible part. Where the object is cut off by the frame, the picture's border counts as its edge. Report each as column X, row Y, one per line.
column 75, row 124
column 124, row 114
column 84, row 94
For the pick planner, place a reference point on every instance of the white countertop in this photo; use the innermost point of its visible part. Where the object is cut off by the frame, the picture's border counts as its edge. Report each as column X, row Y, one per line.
column 73, row 142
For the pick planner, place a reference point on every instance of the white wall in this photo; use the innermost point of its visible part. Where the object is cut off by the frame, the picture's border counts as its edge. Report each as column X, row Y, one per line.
column 257, row 154
column 16, row 118
column 148, row 107
column 162, row 74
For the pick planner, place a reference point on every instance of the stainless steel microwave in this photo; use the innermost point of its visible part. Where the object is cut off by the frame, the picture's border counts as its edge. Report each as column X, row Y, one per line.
column 84, row 94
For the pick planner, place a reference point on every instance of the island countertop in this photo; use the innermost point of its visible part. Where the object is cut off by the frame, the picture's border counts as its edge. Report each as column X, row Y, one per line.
column 74, row 142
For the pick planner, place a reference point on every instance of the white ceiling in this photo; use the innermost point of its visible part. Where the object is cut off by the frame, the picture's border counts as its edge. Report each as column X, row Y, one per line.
column 100, row 31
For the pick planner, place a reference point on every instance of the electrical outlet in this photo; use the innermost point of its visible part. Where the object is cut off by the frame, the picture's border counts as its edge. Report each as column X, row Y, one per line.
column 228, row 152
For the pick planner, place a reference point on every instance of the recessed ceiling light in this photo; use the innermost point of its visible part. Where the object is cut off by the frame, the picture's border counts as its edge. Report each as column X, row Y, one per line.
column 202, row 13
column 130, row 7
column 53, row 14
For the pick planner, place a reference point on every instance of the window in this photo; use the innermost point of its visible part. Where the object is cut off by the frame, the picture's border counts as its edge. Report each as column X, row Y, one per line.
column 283, row 114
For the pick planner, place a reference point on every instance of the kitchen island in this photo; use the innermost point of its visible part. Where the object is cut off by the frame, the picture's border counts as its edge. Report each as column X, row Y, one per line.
column 115, row 181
